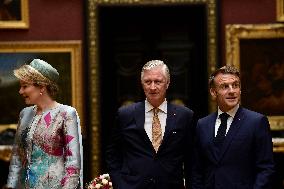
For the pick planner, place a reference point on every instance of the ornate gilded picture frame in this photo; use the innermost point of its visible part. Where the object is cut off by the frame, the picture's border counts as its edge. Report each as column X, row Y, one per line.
column 280, row 10
column 258, row 51
column 93, row 7
column 14, row 14
column 65, row 56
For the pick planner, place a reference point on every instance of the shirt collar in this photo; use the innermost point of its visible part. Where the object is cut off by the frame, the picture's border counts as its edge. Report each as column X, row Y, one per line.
column 162, row 107
column 232, row 112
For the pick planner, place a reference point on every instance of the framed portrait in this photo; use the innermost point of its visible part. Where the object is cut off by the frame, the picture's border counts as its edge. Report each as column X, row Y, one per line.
column 14, row 14
column 65, row 56
column 280, row 10
column 258, row 51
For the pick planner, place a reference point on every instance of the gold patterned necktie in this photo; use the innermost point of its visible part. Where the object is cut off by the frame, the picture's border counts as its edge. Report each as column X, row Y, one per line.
column 156, row 130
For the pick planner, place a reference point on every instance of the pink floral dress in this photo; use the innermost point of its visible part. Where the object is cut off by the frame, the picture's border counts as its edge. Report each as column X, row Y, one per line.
column 48, row 150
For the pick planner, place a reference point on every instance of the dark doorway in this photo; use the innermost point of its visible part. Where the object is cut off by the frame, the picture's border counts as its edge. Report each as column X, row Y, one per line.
column 132, row 35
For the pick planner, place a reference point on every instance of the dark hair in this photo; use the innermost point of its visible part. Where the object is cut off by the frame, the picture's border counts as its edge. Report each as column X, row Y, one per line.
column 229, row 69
column 52, row 89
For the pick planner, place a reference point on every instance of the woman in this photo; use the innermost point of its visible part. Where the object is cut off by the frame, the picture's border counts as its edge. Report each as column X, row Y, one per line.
column 48, row 145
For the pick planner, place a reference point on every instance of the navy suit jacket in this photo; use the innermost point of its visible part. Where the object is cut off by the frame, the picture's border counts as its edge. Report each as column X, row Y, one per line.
column 132, row 160
column 245, row 160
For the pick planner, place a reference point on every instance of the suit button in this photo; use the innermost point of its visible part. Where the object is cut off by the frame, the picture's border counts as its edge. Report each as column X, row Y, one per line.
column 152, row 180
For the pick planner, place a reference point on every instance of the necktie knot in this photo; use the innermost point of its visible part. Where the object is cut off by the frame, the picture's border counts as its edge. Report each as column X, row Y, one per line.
column 155, row 110
column 224, row 117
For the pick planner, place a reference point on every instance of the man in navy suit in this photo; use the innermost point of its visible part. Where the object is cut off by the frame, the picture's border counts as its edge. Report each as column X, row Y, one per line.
column 233, row 146
column 134, row 157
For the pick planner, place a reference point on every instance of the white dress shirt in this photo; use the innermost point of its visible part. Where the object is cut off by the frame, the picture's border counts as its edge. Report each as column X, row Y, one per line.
column 162, row 114
column 231, row 114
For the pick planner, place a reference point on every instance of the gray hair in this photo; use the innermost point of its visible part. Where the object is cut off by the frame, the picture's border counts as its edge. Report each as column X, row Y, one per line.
column 156, row 63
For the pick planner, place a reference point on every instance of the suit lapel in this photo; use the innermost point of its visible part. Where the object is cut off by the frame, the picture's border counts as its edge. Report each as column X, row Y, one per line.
column 210, row 129
column 170, row 124
column 171, row 120
column 234, row 128
column 140, row 120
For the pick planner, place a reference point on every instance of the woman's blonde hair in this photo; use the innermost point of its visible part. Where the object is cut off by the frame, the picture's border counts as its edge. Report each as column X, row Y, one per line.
column 39, row 73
